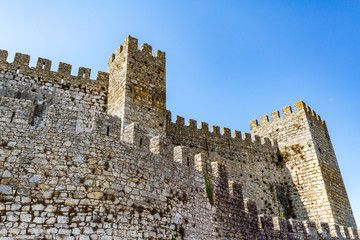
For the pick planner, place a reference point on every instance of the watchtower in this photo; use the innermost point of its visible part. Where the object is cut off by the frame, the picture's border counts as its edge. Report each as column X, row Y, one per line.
column 311, row 169
column 137, row 86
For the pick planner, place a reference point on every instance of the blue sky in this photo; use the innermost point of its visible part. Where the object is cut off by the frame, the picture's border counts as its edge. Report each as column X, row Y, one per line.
column 228, row 62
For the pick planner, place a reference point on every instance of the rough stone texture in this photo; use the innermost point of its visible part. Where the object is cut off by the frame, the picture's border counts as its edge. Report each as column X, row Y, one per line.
column 318, row 192
column 137, row 91
column 71, row 171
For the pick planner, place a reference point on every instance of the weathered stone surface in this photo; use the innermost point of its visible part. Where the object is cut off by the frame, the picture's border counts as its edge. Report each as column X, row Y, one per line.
column 95, row 195
column 5, row 189
column 77, row 162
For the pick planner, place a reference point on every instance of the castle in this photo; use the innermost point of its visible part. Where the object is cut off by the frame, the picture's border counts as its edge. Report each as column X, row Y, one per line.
column 101, row 159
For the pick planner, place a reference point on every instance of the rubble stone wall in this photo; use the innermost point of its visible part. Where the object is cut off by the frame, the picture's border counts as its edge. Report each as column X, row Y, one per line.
column 59, row 184
column 45, row 87
column 250, row 160
column 306, row 149
column 101, row 159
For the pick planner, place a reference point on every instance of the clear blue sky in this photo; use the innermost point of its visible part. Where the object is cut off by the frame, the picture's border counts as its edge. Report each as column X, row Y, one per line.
column 228, row 62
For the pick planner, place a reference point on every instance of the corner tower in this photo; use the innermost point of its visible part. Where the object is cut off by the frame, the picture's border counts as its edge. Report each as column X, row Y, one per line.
column 311, row 169
column 137, row 86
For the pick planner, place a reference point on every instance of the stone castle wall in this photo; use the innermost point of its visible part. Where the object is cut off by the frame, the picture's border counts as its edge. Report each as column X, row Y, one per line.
column 252, row 162
column 339, row 200
column 58, row 184
column 45, row 87
column 317, row 192
column 101, row 158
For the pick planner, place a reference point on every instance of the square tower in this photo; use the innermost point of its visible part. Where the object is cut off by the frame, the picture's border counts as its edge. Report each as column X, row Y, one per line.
column 311, row 170
column 137, row 86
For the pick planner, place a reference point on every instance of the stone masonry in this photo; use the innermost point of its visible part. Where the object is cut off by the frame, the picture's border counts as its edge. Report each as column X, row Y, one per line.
column 101, row 159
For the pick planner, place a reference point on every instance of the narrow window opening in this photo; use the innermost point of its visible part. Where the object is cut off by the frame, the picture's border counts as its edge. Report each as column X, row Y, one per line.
column 43, row 66
column 12, row 117
column 18, row 70
column 84, row 75
column 107, row 130
column 141, row 141
column 188, row 162
column 62, row 80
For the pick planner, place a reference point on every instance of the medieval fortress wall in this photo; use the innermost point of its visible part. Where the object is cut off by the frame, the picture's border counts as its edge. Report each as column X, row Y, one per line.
column 101, row 159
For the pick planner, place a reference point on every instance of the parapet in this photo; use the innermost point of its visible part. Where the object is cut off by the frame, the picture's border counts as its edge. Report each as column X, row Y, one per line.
column 300, row 107
column 191, row 130
column 42, row 72
column 137, row 136
column 130, row 47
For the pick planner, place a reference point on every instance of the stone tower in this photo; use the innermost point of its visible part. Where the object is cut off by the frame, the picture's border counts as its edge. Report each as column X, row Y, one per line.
column 137, row 86
column 317, row 191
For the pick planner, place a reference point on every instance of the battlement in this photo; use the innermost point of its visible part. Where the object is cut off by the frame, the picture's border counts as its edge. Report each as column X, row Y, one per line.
column 42, row 71
column 130, row 47
column 300, row 107
column 191, row 129
column 224, row 195
column 102, row 157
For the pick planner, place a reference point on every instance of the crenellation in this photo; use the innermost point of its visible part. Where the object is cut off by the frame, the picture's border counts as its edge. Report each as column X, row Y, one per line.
column 43, row 69
column 201, row 163
column 161, row 145
column 318, row 117
column 3, row 55
column 313, row 113
column 64, row 69
column 237, row 135
column 264, row 119
column 113, row 56
column 247, row 138
column 84, row 73
column 250, row 207
column 137, row 135
column 192, row 124
column 146, row 49
column 299, row 106
column 218, row 170
column 275, row 115
column 226, row 132
column 280, row 224
column 118, row 50
column 130, row 44
column 106, row 125
column 215, row 130
column 235, row 190
column 180, row 121
column 184, row 156
column 254, row 123
column 160, row 58
column 256, row 139
column 266, row 223
column 43, row 64
column 102, row 159
column 287, row 111
column 21, row 60
column 204, row 127
column 310, row 228
column 354, row 233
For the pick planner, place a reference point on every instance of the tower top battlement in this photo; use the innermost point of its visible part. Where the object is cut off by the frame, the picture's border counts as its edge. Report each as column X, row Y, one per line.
column 130, row 46
column 287, row 111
